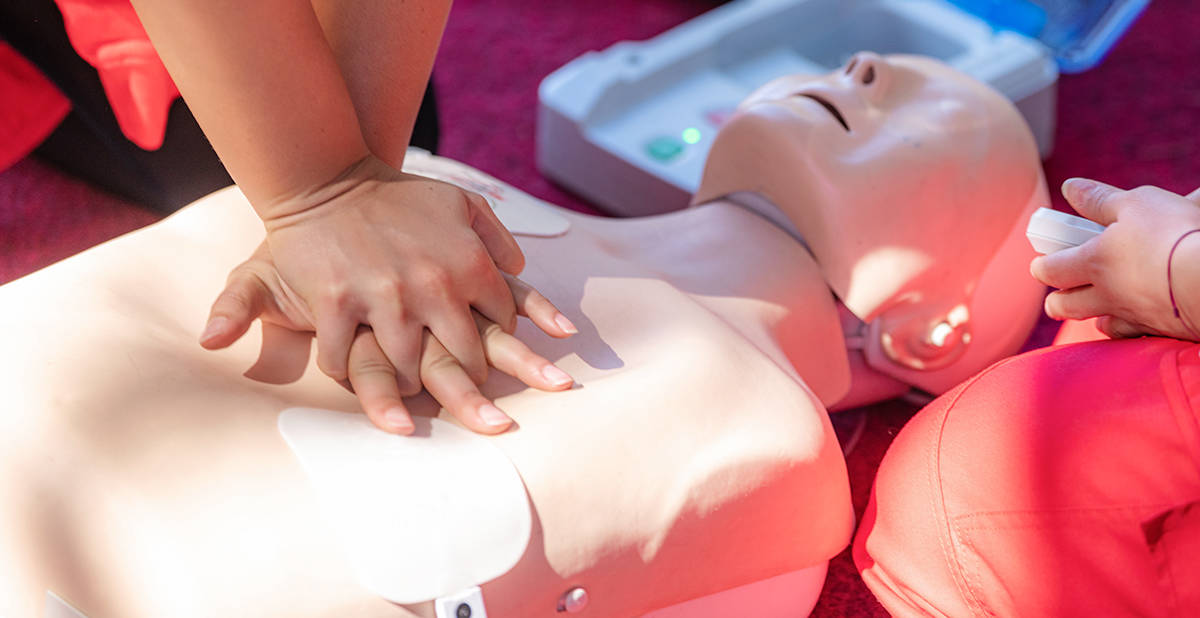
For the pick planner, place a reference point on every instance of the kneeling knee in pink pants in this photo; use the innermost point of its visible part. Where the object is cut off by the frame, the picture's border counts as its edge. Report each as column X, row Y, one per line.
column 1065, row 481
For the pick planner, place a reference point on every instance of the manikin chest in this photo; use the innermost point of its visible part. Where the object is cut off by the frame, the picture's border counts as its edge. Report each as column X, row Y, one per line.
column 651, row 284
column 654, row 286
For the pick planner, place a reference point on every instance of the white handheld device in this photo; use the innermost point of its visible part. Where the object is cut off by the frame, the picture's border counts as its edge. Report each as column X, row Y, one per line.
column 1050, row 230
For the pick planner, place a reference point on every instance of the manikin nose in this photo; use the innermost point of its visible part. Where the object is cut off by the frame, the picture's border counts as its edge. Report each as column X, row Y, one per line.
column 863, row 68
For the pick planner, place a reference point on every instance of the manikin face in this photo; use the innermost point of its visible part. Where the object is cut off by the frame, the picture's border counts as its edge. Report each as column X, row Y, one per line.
column 902, row 176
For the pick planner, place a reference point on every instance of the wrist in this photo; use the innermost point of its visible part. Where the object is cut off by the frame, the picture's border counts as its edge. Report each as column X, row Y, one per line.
column 1184, row 280
column 307, row 200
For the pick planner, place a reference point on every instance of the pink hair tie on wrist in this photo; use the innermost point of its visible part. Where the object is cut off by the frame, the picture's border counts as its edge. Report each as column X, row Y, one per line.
column 1171, row 287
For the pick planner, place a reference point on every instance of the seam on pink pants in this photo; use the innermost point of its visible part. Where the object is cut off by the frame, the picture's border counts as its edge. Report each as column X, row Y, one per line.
column 962, row 581
column 1181, row 390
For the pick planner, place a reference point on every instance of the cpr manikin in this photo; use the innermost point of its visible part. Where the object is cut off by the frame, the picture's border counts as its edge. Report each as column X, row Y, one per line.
column 143, row 476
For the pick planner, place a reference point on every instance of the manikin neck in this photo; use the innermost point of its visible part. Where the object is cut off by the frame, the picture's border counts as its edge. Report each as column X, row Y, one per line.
column 867, row 385
column 765, row 208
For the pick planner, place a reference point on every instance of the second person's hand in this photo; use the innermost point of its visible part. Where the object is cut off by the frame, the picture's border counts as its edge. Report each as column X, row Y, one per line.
column 1122, row 274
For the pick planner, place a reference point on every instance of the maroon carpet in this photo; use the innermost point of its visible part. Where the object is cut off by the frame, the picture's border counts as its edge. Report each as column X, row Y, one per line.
column 1131, row 121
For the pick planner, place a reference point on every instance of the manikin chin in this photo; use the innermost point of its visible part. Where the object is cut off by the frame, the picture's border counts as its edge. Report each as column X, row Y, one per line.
column 856, row 235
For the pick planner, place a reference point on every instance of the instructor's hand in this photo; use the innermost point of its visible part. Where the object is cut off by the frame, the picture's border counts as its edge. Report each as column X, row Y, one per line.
column 1121, row 275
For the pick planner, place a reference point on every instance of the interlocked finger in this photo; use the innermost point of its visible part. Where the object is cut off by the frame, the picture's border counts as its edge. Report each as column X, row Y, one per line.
column 511, row 356
column 373, row 380
column 539, row 310
column 447, row 382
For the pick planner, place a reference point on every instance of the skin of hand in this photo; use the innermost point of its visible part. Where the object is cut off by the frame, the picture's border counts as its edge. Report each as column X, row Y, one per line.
column 399, row 253
column 1121, row 274
column 256, row 290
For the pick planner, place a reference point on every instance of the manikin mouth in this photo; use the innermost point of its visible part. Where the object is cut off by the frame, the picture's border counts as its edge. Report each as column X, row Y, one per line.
column 829, row 107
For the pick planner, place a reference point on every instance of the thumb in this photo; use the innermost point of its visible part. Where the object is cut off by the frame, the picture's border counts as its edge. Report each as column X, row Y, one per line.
column 242, row 300
column 496, row 238
column 1095, row 200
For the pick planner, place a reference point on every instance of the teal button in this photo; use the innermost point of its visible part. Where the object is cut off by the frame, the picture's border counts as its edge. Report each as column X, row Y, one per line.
column 664, row 148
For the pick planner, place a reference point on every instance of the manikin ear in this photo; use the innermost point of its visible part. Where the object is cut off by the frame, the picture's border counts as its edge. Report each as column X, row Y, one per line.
column 923, row 337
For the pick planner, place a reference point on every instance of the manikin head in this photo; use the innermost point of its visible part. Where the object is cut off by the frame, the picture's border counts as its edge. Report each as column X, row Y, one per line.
column 903, row 177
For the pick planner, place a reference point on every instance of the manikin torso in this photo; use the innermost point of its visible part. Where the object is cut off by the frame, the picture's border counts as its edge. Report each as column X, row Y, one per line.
column 143, row 476
column 139, row 472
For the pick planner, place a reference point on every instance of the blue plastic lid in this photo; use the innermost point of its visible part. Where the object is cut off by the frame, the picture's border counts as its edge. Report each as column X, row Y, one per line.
column 1080, row 32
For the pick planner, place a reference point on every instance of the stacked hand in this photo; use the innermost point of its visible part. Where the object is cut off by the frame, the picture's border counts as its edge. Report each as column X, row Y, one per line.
column 1121, row 275
column 400, row 278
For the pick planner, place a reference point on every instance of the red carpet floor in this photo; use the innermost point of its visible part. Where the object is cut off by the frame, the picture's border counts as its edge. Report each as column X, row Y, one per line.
column 1133, row 120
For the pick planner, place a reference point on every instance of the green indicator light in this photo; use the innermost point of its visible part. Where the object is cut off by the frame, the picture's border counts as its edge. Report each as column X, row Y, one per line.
column 691, row 135
column 664, row 148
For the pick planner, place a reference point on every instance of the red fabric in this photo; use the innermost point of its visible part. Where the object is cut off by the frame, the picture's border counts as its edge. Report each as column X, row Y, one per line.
column 1174, row 542
column 1060, row 482
column 30, row 108
column 108, row 35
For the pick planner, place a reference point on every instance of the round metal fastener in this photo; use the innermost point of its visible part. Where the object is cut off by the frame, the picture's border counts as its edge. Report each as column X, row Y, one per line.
column 574, row 601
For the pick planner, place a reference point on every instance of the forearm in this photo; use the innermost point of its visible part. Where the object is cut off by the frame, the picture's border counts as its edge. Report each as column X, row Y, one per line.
column 264, row 85
column 385, row 49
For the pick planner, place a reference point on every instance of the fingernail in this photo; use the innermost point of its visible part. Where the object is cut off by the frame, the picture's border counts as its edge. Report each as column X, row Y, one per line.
column 556, row 376
column 397, row 418
column 493, row 416
column 1075, row 186
column 565, row 324
column 214, row 328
